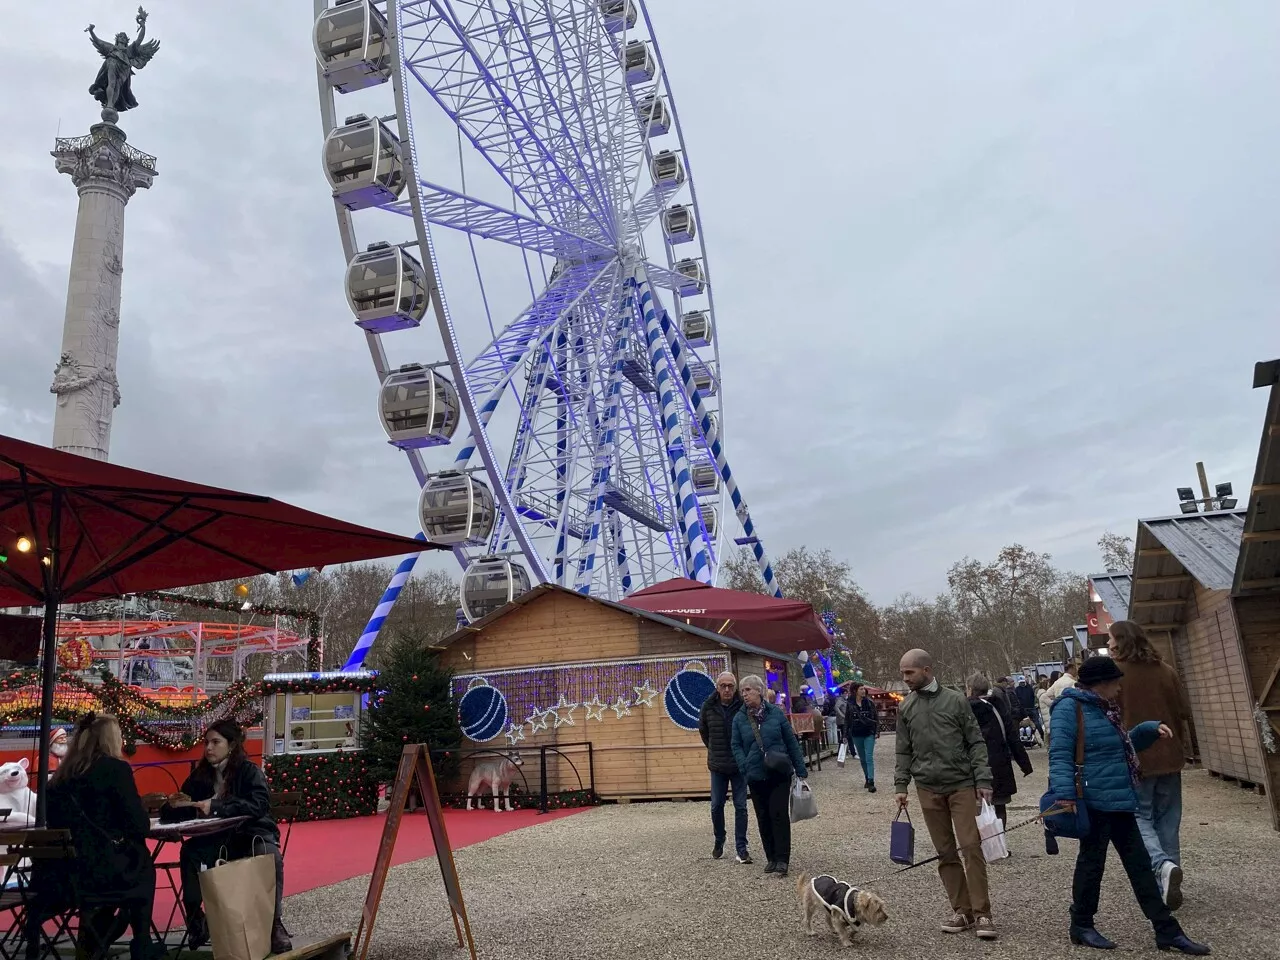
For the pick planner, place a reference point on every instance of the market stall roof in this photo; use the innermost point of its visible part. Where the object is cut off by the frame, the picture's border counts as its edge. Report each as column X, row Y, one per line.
column 1172, row 554
column 783, row 626
column 1258, row 570
column 116, row 530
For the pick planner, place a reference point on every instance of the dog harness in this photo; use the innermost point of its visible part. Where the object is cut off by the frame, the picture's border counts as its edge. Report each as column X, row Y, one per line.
column 838, row 896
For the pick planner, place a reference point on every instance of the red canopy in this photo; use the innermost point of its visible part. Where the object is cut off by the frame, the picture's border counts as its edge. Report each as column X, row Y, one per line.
column 785, row 626
column 120, row 531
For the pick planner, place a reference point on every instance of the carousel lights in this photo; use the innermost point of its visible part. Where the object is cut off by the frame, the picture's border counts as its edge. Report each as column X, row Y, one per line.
column 24, row 544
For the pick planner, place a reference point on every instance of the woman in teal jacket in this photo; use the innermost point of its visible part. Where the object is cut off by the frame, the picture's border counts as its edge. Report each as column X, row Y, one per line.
column 770, row 792
column 1110, row 774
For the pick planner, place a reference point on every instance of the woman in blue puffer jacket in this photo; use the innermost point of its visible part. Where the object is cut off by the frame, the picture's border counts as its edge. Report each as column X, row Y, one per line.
column 1110, row 774
column 760, row 728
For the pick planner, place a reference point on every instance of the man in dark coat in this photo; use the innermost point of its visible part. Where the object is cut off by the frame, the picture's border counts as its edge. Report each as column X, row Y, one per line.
column 1026, row 695
column 715, row 724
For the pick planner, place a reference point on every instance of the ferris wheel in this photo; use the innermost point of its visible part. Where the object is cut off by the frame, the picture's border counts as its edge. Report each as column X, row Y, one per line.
column 562, row 415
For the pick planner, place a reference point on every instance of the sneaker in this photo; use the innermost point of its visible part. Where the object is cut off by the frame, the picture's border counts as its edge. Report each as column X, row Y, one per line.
column 957, row 924
column 871, row 786
column 1170, row 878
column 744, row 857
column 985, row 929
column 717, row 851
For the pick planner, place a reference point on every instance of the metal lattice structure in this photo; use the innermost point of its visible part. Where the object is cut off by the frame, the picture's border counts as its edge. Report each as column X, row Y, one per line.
column 579, row 329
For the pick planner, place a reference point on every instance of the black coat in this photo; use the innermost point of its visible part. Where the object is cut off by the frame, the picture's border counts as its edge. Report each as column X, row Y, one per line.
column 109, row 827
column 1026, row 695
column 246, row 795
column 1004, row 748
column 717, row 733
column 860, row 719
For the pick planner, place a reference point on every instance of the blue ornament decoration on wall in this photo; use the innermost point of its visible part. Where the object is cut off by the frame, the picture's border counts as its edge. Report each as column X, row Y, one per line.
column 686, row 692
column 482, row 711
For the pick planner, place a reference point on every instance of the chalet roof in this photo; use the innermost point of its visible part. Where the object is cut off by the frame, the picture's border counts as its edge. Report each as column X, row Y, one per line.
column 1259, row 564
column 733, row 643
column 1113, row 590
column 1172, row 554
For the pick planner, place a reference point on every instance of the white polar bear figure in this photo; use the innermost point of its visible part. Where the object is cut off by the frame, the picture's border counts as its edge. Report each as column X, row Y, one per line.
column 16, row 795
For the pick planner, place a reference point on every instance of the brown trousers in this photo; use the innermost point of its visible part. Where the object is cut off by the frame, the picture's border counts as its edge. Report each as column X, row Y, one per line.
column 952, row 817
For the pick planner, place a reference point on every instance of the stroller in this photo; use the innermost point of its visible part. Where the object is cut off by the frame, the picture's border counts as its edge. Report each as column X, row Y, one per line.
column 1027, row 733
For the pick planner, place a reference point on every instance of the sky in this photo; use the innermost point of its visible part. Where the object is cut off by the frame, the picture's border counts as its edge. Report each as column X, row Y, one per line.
column 985, row 273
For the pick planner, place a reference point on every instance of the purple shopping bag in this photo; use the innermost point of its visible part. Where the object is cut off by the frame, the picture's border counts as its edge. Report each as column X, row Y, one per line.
column 902, row 839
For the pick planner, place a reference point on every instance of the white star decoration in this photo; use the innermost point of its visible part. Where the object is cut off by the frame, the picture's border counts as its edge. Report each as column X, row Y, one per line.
column 645, row 694
column 537, row 720
column 514, row 733
column 595, row 708
column 622, row 707
column 564, row 712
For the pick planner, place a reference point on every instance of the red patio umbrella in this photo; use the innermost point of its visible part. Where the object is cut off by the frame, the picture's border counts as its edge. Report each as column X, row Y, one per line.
column 785, row 626
column 94, row 530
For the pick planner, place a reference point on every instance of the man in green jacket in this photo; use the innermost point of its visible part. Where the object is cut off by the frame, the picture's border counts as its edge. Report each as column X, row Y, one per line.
column 940, row 746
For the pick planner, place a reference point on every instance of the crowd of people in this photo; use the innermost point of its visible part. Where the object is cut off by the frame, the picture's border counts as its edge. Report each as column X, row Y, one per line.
column 92, row 795
column 1113, row 727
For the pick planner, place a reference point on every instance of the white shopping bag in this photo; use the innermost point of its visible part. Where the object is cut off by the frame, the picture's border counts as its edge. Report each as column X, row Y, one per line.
column 844, row 752
column 992, row 831
column 802, row 804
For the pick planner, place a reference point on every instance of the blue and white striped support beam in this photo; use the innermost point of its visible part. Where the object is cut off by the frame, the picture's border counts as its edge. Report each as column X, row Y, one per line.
column 695, row 534
column 620, row 545
column 711, row 432
column 380, row 613
column 607, row 431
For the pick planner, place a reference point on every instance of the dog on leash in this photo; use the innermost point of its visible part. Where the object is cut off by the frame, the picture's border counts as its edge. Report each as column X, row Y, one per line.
column 497, row 773
column 846, row 907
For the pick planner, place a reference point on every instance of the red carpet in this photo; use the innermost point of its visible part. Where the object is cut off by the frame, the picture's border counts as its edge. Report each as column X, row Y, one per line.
column 326, row 852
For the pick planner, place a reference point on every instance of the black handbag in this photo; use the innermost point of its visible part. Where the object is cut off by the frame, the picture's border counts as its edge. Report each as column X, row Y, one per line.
column 125, row 858
column 777, row 763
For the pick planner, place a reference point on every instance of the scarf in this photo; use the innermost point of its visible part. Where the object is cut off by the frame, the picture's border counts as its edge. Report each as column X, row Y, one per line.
column 1111, row 710
column 757, row 713
column 219, row 779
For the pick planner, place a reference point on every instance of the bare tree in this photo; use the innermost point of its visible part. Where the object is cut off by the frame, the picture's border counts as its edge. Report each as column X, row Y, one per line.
column 1117, row 552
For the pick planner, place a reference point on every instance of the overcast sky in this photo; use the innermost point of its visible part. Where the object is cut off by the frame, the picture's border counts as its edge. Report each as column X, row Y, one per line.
column 984, row 272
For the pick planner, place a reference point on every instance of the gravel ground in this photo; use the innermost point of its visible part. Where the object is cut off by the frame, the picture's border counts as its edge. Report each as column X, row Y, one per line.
column 638, row 881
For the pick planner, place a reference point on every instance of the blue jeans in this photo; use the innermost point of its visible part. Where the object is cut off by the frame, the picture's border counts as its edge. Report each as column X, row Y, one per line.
column 1160, row 816
column 866, row 750
column 720, row 783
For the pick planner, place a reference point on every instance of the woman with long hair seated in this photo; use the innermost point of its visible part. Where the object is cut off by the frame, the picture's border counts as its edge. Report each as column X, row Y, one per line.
column 92, row 794
column 226, row 783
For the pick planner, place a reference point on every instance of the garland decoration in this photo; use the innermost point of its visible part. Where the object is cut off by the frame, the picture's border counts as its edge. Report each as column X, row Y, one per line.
column 331, row 786
column 315, row 644
column 142, row 719
column 335, row 681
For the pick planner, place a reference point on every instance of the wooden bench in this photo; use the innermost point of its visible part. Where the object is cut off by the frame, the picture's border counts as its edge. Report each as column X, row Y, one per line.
column 337, row 947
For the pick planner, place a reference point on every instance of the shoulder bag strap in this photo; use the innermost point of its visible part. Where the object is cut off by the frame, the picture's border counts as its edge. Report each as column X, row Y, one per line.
column 1079, row 751
column 755, row 728
column 996, row 710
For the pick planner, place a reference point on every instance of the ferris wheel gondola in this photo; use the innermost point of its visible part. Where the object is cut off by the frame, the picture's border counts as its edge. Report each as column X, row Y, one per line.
column 593, row 416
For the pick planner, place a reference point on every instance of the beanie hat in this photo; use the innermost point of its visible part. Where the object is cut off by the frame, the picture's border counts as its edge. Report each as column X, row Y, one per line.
column 1098, row 670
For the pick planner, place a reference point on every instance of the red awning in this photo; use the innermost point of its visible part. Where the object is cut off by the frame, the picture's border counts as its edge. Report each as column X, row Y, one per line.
column 121, row 531
column 785, row 626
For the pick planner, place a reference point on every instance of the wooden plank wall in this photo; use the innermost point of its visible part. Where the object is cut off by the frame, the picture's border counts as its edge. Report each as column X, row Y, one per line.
column 643, row 754
column 1213, row 673
column 1259, row 620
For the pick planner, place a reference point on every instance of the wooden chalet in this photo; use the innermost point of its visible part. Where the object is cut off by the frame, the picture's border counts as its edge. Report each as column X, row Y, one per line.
column 557, row 669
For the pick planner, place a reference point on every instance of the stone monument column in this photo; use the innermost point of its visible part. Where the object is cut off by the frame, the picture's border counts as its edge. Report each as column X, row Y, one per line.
column 106, row 171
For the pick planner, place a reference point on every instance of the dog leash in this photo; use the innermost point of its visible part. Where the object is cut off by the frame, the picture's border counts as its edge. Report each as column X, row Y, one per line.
column 1055, row 809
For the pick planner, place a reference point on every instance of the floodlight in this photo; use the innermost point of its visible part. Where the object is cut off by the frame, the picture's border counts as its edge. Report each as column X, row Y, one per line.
column 1228, row 503
column 1222, row 490
column 1190, row 506
column 1186, row 493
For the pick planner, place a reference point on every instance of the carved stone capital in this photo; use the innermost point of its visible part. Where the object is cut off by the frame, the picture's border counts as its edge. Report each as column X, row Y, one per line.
column 104, row 160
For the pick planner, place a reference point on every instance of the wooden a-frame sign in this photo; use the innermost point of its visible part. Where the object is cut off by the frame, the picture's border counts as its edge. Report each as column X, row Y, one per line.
column 415, row 764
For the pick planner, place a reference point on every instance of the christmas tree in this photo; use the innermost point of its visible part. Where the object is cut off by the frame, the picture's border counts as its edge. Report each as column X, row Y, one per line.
column 843, row 669
column 412, row 705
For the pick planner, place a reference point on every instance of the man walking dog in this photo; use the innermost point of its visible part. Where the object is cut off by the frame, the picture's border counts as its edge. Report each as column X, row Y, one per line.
column 715, row 724
column 940, row 746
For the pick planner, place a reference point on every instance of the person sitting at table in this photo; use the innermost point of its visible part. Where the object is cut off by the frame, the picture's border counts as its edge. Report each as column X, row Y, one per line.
column 226, row 783
column 92, row 794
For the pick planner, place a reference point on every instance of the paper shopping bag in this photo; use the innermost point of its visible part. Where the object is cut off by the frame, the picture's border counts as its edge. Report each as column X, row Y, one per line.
column 239, row 905
column 992, row 832
column 902, row 840
column 844, row 752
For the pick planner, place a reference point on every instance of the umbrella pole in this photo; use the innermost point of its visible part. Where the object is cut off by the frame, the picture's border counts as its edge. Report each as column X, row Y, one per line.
column 49, row 658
